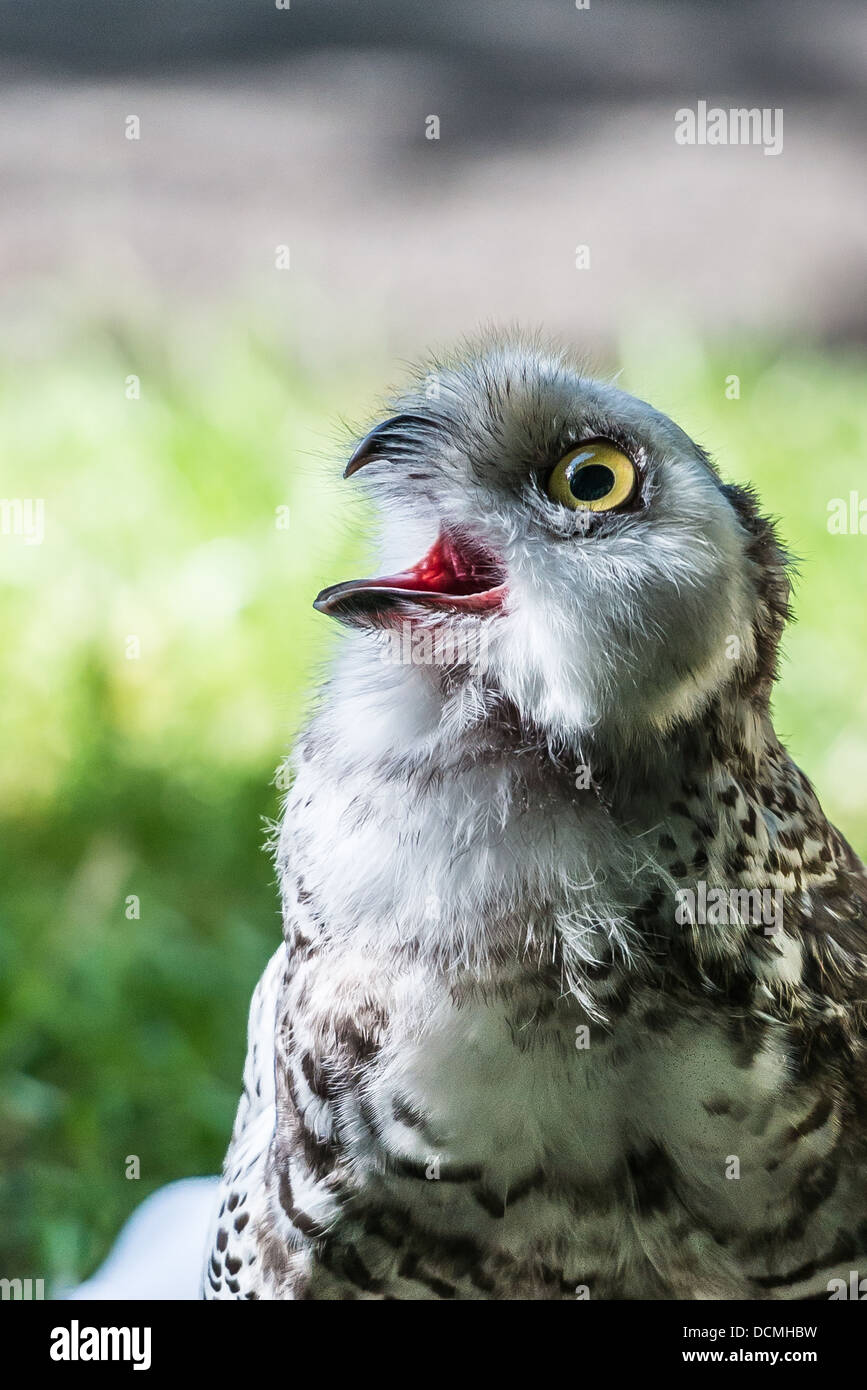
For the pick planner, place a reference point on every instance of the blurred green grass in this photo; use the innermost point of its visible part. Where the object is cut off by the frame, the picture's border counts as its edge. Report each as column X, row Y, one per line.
column 152, row 776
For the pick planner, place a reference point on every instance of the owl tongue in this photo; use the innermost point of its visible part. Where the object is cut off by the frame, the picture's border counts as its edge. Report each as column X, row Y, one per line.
column 458, row 574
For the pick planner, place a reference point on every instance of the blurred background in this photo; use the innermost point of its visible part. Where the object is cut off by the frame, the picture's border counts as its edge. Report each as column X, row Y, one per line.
column 192, row 322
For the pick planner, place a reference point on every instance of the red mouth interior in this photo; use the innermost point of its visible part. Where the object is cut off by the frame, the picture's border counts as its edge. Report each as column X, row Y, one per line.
column 457, row 572
column 455, row 566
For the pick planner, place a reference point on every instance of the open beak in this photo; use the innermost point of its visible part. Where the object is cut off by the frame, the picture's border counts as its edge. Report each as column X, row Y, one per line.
column 458, row 574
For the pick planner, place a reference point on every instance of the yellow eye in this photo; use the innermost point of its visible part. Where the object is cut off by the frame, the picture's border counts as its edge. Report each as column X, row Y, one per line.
column 596, row 476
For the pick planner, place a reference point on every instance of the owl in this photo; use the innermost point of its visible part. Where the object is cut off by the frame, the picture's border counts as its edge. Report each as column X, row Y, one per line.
column 571, row 998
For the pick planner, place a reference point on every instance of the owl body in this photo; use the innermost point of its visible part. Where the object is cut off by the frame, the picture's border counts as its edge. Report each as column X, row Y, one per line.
column 570, row 1001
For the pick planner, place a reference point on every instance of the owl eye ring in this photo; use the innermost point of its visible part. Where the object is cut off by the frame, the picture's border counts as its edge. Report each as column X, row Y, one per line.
column 596, row 477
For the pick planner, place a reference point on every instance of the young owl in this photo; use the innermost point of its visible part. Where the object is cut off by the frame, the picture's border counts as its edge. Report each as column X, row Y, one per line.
column 571, row 1002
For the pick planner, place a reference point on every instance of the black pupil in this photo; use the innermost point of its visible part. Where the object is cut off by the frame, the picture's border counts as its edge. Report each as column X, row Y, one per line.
column 591, row 482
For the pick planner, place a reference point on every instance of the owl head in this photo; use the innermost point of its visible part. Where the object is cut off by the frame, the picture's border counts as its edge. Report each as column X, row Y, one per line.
column 573, row 537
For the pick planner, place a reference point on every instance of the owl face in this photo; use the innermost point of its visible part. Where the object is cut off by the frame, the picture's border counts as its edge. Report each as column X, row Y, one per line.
column 621, row 585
